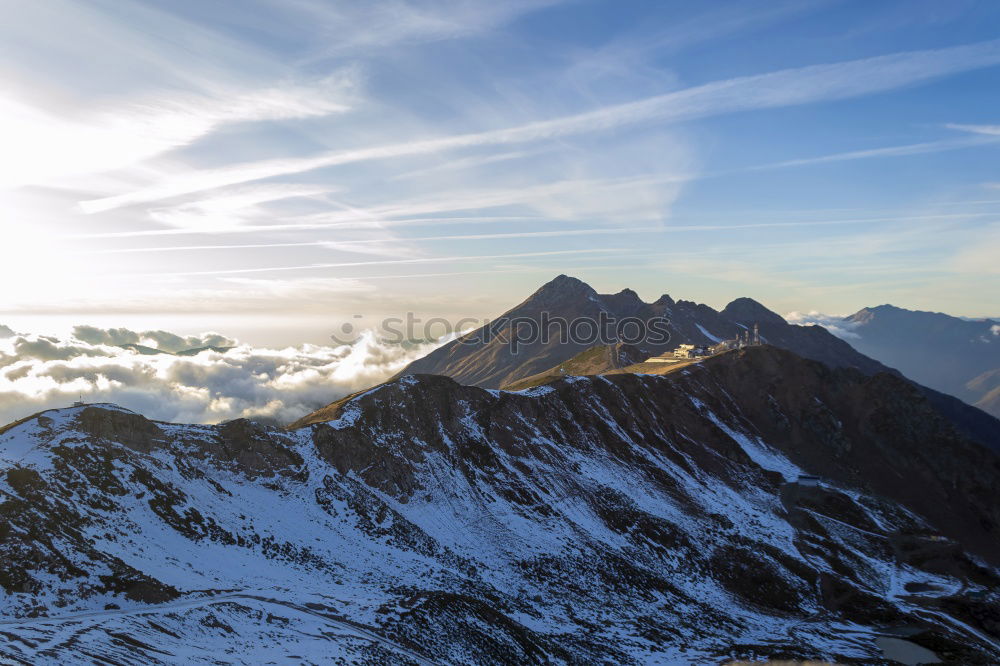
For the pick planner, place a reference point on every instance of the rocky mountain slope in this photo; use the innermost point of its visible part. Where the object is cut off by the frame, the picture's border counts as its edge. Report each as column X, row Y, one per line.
column 612, row 519
column 953, row 355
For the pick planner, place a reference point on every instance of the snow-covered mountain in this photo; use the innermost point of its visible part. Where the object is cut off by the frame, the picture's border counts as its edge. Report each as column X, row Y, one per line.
column 609, row 519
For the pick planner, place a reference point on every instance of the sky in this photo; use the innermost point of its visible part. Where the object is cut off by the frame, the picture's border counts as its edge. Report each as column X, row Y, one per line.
column 273, row 168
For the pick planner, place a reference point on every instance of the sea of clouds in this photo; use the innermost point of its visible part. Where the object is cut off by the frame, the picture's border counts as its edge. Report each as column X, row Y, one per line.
column 277, row 385
column 836, row 324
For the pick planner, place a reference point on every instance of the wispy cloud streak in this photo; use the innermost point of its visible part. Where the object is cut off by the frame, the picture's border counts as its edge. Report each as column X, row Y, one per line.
column 888, row 151
column 422, row 260
column 989, row 130
column 776, row 89
column 421, row 222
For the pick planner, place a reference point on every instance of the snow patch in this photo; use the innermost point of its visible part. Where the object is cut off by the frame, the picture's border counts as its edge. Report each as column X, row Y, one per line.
column 710, row 336
column 762, row 454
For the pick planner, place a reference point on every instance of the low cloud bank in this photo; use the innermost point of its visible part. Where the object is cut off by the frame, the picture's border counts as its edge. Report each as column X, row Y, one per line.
column 836, row 324
column 40, row 372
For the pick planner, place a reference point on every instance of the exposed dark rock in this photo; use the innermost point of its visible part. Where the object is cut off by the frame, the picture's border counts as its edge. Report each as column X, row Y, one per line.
column 117, row 425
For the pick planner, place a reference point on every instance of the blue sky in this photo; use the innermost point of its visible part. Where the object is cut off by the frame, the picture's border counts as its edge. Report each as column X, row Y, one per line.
column 271, row 168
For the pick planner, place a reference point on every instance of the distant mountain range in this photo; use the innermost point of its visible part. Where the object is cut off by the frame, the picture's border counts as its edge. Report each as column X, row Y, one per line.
column 958, row 356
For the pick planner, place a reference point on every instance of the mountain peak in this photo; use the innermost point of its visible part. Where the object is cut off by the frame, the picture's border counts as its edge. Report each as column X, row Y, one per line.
column 565, row 283
column 560, row 290
column 868, row 313
column 747, row 310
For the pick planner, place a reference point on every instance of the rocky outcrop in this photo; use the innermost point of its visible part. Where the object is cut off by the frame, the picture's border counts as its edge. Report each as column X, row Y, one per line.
column 254, row 449
column 121, row 426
